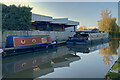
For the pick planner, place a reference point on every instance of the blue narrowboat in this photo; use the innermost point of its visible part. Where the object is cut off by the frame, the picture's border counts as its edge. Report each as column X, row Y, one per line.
column 15, row 43
column 87, row 38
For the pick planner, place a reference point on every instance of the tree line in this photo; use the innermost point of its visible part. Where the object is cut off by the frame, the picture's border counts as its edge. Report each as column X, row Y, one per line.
column 107, row 23
column 16, row 17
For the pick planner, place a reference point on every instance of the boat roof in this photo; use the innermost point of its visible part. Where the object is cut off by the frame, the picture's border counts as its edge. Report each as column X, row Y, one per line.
column 27, row 35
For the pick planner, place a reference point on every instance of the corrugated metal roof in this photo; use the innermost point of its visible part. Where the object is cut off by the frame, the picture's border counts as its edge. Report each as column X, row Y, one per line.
column 37, row 17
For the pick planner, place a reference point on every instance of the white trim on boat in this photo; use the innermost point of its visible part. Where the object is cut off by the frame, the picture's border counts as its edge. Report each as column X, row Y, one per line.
column 1, row 50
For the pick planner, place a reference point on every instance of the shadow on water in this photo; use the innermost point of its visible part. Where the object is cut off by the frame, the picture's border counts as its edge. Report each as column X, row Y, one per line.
column 33, row 65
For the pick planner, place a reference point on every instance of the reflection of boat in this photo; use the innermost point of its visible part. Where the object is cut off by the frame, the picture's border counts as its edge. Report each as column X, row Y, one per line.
column 64, row 60
column 88, row 48
column 87, row 38
column 33, row 65
column 29, row 43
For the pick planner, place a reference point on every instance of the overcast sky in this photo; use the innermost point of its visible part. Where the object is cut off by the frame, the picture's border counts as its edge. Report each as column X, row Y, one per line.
column 87, row 13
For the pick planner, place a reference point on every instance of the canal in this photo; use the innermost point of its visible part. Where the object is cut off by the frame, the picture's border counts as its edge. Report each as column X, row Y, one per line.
column 64, row 61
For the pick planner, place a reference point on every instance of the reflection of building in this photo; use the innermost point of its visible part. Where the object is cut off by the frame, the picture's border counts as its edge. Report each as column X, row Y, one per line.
column 33, row 65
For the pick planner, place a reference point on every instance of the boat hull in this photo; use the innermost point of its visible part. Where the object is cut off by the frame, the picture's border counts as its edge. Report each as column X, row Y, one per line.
column 87, row 42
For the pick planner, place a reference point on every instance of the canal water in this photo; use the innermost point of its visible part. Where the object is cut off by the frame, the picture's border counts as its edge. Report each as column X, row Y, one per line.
column 64, row 61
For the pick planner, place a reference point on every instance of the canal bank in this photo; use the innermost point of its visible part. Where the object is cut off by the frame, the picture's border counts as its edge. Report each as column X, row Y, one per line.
column 114, row 72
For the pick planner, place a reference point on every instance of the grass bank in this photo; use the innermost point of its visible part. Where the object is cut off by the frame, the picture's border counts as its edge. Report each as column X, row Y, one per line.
column 113, row 75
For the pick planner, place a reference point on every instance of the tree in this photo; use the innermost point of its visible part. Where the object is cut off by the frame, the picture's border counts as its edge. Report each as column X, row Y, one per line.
column 107, row 23
column 80, row 28
column 16, row 17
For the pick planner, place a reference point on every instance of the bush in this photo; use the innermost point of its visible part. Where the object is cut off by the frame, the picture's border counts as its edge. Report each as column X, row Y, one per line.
column 16, row 17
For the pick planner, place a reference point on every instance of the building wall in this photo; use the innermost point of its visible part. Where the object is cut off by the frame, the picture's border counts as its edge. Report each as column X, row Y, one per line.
column 53, row 28
column 71, row 28
column 57, row 28
column 32, row 28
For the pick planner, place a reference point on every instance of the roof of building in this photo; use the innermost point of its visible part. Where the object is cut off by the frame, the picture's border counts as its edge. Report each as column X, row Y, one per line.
column 60, row 21
column 72, row 22
column 37, row 17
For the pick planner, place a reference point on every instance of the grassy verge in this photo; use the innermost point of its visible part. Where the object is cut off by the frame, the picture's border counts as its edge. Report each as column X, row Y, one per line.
column 113, row 76
column 116, row 64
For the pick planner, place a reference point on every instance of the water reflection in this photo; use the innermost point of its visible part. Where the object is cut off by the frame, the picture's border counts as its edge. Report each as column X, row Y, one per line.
column 88, row 48
column 36, row 64
column 109, row 51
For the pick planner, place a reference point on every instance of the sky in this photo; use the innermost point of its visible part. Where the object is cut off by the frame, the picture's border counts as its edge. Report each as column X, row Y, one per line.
column 87, row 13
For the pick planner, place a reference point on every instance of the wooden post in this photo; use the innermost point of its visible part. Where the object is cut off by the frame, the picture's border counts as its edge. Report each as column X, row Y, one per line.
column 74, row 29
column 48, row 27
column 62, row 27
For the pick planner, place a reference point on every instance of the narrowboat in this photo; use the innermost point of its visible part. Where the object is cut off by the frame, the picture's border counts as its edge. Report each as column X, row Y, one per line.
column 87, row 38
column 15, row 43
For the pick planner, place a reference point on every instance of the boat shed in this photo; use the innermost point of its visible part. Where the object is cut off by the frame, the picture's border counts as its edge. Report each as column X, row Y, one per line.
column 47, row 23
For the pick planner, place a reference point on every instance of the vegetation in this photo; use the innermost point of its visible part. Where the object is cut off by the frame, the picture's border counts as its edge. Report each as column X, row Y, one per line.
column 107, row 23
column 80, row 28
column 112, row 75
column 116, row 64
column 16, row 17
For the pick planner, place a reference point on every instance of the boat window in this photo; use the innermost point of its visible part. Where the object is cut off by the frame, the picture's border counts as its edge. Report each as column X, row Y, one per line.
column 44, row 40
column 33, row 40
column 23, row 41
